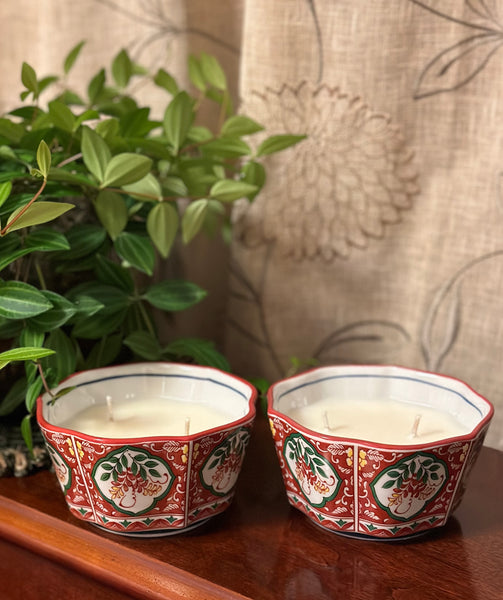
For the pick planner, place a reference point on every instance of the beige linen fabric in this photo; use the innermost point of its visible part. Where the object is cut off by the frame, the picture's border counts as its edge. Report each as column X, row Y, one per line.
column 378, row 239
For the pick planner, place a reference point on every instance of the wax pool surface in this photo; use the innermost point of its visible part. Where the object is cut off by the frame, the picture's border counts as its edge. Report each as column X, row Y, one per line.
column 382, row 421
column 147, row 418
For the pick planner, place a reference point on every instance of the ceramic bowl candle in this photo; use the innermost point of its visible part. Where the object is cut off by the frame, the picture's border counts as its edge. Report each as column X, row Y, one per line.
column 376, row 451
column 148, row 449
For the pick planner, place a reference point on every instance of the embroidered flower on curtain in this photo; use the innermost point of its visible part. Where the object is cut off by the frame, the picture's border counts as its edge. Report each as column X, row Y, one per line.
column 351, row 177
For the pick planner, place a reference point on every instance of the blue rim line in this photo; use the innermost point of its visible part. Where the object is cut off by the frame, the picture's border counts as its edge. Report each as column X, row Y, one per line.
column 376, row 376
column 162, row 375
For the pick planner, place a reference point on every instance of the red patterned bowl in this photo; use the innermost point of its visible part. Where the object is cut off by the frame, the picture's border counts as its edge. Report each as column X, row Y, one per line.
column 148, row 485
column 354, row 468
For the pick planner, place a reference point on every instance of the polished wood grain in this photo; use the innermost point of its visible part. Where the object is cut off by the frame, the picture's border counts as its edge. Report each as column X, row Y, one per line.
column 260, row 548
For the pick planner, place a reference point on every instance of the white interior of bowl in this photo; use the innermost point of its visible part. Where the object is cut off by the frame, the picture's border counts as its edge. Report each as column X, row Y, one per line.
column 369, row 383
column 185, row 383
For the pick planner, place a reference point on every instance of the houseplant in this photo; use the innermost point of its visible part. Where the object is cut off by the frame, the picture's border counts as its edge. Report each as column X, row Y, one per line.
column 93, row 194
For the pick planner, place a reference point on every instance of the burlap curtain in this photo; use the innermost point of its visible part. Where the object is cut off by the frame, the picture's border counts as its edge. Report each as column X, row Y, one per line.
column 378, row 239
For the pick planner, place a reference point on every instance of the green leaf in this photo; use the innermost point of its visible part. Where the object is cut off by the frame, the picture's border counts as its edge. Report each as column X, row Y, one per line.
column 44, row 158
column 13, row 398
column 29, row 79
column 165, row 80
column 96, row 86
column 5, row 190
column 196, row 74
column 62, row 311
column 104, row 352
column 178, row 119
column 46, row 239
column 20, row 300
column 32, row 393
column 95, row 152
column 108, row 128
column 228, row 190
column 126, row 168
column 45, row 82
column 26, row 432
column 111, row 298
column 84, row 240
column 87, row 306
column 63, row 361
column 56, row 174
column 109, row 272
column 112, row 212
column 193, row 219
column 254, row 173
column 71, row 57
column 212, row 71
column 38, row 213
column 61, row 115
column 87, row 115
column 122, row 69
column 174, row 186
column 227, row 147
column 173, row 295
column 144, row 344
column 24, row 353
column 136, row 250
column 276, row 143
column 12, row 131
column 162, row 226
column 148, row 187
column 6, row 258
column 202, row 351
column 32, row 338
column 238, row 125
column 136, row 123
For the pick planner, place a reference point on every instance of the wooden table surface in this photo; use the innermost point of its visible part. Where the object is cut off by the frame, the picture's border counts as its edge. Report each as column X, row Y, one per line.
column 260, row 548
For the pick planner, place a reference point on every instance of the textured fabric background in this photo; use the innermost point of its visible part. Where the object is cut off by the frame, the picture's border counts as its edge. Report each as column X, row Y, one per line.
column 378, row 239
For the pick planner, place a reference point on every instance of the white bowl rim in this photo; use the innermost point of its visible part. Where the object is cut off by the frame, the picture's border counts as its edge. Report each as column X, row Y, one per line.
column 205, row 373
column 376, row 370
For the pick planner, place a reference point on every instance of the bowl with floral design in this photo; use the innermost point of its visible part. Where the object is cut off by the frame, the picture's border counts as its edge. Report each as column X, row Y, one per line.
column 148, row 449
column 378, row 452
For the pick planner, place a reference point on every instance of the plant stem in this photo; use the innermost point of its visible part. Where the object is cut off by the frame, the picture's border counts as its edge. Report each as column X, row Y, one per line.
column 42, row 377
column 40, row 275
column 69, row 160
column 146, row 318
column 25, row 208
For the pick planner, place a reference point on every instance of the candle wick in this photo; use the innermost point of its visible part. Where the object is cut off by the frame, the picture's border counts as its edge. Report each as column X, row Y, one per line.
column 413, row 431
column 110, row 409
column 325, row 421
column 187, row 425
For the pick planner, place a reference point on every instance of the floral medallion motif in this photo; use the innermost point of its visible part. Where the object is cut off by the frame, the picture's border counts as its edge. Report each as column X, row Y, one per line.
column 61, row 468
column 315, row 476
column 403, row 489
column 344, row 184
column 221, row 469
column 132, row 479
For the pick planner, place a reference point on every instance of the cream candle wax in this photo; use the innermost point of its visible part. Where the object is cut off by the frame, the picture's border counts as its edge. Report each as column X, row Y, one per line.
column 147, row 417
column 384, row 421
